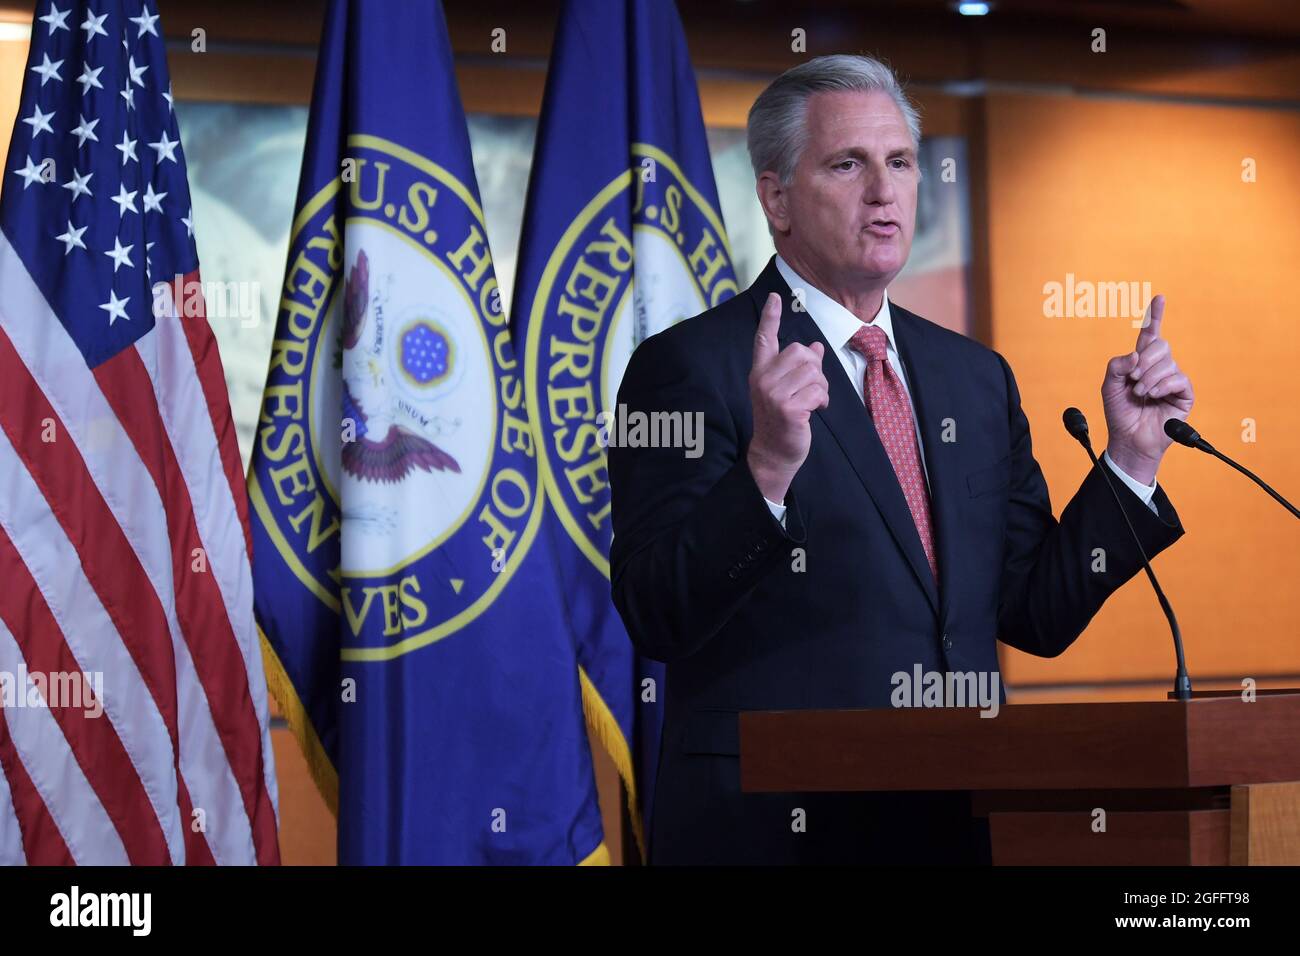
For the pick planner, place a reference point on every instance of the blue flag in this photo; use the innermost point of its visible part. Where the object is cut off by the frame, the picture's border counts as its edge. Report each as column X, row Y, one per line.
column 417, row 633
column 622, row 237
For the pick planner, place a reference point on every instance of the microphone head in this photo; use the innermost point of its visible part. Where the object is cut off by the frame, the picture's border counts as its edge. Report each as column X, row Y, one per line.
column 1183, row 433
column 1076, row 424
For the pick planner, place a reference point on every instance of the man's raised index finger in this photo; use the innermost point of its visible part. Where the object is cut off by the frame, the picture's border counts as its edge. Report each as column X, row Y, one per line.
column 1150, row 330
column 769, row 324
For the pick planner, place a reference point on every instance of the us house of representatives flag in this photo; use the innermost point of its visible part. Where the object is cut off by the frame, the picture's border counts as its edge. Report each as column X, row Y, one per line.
column 416, row 632
column 124, row 549
column 622, row 237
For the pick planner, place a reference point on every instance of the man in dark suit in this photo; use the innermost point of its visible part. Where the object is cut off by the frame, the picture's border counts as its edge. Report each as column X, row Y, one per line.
column 866, row 500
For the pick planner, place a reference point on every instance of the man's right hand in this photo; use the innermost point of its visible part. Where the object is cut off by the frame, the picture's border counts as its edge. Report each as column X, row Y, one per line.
column 785, row 388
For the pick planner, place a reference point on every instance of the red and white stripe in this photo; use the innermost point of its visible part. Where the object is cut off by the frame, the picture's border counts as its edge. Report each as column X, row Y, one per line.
column 11, row 837
column 99, row 531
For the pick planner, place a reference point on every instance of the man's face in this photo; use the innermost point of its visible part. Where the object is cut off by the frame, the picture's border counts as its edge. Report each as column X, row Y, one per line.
column 850, row 210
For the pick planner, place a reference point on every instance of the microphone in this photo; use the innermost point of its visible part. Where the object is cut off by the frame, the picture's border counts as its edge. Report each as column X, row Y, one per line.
column 1185, row 434
column 1077, row 426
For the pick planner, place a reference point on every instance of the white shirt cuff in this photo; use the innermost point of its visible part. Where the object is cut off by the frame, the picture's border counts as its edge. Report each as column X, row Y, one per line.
column 1145, row 492
column 778, row 511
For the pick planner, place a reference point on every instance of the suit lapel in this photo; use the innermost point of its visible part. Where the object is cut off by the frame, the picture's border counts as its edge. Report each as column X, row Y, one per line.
column 852, row 428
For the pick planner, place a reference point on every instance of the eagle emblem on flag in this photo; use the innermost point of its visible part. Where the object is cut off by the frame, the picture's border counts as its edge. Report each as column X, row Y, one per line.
column 382, row 450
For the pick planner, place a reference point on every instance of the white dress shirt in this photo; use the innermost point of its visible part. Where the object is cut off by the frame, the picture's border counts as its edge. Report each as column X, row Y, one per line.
column 838, row 325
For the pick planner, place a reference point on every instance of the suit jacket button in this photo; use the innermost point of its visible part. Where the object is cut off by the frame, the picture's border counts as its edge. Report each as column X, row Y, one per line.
column 947, row 643
column 732, row 574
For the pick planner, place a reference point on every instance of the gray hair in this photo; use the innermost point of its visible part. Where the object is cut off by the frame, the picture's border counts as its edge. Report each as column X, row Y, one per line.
column 778, row 127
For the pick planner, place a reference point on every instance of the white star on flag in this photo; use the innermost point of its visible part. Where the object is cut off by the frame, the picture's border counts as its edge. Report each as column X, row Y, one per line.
column 57, row 19
column 31, row 173
column 84, row 131
column 78, row 185
column 72, row 238
column 39, row 122
column 127, row 146
column 166, row 148
column 120, row 254
column 152, row 200
column 116, row 307
column 145, row 22
column 48, row 70
column 125, row 201
column 94, row 25
column 89, row 78
column 137, row 72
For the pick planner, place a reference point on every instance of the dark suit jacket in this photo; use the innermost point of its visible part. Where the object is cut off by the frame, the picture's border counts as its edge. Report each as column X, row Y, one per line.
column 708, row 581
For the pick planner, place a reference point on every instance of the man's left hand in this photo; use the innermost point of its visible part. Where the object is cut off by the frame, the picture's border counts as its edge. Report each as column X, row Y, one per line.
column 1141, row 391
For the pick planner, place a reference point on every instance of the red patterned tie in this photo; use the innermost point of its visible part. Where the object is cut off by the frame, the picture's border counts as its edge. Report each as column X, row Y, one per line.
column 893, row 416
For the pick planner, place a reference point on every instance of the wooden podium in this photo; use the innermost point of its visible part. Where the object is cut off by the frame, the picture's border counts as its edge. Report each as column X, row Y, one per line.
column 1212, row 781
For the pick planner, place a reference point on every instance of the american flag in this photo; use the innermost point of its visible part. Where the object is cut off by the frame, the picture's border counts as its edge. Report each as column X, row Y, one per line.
column 124, row 547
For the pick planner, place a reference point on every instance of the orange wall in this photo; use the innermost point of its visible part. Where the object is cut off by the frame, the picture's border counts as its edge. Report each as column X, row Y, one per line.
column 13, row 57
column 1115, row 190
